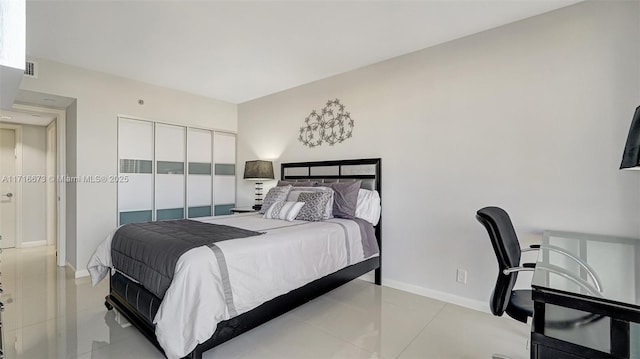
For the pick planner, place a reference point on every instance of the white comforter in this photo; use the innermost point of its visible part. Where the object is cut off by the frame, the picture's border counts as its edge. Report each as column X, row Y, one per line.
column 288, row 256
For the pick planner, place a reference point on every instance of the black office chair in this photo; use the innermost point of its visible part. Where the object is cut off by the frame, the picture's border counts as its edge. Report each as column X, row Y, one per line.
column 518, row 304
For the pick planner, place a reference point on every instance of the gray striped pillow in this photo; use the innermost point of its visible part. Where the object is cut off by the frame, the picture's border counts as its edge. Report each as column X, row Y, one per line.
column 283, row 210
column 274, row 195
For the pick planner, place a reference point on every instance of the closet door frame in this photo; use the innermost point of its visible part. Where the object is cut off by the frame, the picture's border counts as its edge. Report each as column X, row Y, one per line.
column 186, row 193
column 123, row 175
column 226, row 206
column 160, row 179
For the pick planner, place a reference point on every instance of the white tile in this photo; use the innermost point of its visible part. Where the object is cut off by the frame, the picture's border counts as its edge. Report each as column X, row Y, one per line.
column 136, row 346
column 50, row 314
column 12, row 315
column 43, row 340
column 68, row 336
column 235, row 347
column 380, row 320
column 37, row 309
column 464, row 333
column 289, row 337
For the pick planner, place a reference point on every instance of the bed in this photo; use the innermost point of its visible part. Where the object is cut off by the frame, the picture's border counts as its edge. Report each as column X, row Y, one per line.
column 140, row 306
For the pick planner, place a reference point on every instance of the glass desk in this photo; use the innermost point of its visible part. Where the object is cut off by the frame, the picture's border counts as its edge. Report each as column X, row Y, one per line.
column 586, row 292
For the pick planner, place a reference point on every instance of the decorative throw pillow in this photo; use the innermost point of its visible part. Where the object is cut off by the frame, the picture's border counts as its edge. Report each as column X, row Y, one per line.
column 274, row 195
column 283, row 210
column 314, row 205
column 295, row 192
column 345, row 198
column 297, row 184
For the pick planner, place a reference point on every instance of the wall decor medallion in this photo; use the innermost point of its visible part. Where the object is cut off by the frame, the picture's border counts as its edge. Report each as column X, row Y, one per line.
column 333, row 125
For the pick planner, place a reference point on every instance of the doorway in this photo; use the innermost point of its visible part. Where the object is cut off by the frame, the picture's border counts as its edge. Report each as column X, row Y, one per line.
column 8, row 184
column 39, row 194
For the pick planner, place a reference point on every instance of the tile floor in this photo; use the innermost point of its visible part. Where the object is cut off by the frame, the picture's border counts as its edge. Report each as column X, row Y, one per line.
column 49, row 314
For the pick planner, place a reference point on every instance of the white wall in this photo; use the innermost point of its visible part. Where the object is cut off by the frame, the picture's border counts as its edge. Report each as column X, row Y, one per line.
column 100, row 99
column 34, row 151
column 531, row 116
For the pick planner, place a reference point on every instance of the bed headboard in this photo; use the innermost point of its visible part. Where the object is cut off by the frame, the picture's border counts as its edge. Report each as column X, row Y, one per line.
column 368, row 170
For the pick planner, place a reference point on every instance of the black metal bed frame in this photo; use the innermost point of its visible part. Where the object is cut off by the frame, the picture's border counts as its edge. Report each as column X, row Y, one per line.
column 233, row 327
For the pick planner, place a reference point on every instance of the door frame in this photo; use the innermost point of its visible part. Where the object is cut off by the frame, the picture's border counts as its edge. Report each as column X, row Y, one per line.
column 61, row 171
column 18, row 196
column 52, row 198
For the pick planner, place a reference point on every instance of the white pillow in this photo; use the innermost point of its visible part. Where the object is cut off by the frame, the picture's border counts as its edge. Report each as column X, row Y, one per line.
column 283, row 210
column 368, row 206
column 294, row 193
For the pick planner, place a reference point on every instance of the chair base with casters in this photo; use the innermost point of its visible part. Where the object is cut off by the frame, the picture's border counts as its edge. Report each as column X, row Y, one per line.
column 520, row 308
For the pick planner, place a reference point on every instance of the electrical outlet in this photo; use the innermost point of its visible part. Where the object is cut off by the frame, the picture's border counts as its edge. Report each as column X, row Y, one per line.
column 461, row 276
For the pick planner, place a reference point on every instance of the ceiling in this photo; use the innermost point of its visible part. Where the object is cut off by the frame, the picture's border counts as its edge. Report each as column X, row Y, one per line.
column 25, row 113
column 26, row 117
column 32, row 98
column 237, row 51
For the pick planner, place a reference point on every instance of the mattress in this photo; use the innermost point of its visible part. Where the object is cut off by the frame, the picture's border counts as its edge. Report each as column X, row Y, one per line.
column 246, row 273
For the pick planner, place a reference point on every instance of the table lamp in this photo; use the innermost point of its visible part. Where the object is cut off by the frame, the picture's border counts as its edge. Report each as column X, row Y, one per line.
column 631, row 155
column 258, row 171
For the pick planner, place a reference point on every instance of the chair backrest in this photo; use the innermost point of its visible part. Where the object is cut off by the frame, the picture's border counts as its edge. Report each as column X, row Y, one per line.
column 507, row 248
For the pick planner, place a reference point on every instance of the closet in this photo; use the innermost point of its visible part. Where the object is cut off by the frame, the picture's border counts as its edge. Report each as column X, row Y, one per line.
column 170, row 171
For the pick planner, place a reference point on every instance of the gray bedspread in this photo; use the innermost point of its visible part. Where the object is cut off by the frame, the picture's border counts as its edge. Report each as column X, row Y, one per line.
column 369, row 241
column 148, row 252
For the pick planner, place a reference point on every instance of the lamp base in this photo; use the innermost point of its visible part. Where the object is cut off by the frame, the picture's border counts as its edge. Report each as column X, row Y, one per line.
column 257, row 207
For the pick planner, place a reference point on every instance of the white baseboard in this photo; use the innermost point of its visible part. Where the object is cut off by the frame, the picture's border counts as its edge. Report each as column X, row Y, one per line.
column 445, row 297
column 78, row 273
column 430, row 293
column 82, row 273
column 33, row 244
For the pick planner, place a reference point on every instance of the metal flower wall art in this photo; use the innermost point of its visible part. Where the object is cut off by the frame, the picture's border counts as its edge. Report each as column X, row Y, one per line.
column 333, row 125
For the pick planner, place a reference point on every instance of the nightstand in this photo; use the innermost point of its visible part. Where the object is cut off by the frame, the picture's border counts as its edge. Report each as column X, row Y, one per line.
column 242, row 210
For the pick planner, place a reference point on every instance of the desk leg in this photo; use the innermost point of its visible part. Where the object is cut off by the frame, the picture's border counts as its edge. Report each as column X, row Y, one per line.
column 537, row 326
column 620, row 333
column 537, row 323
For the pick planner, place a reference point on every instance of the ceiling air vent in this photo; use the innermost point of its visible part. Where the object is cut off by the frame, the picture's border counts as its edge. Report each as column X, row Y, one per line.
column 31, row 69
